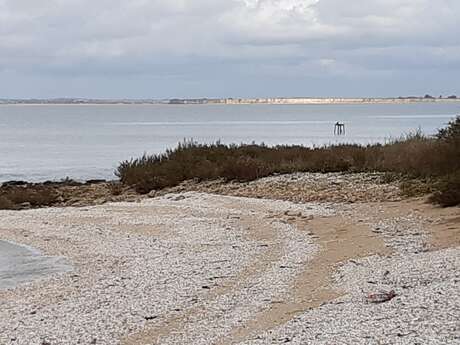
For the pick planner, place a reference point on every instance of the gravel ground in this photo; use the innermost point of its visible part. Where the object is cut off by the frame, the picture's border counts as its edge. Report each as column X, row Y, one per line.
column 123, row 280
column 425, row 311
column 188, row 268
column 305, row 187
column 426, row 308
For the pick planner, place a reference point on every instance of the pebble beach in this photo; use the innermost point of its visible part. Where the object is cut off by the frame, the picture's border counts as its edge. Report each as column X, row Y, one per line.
column 199, row 267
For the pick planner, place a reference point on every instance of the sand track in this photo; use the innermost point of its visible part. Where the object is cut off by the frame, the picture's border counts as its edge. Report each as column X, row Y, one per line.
column 260, row 231
column 339, row 240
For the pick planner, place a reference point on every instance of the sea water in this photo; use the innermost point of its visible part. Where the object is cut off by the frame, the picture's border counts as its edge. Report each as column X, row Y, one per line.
column 43, row 142
column 20, row 264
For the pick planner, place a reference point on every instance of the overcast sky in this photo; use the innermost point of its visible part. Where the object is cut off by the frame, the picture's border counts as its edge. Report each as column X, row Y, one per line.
column 228, row 48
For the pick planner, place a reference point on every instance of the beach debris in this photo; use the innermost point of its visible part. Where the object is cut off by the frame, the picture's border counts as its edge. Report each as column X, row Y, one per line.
column 292, row 213
column 381, row 297
column 377, row 230
column 150, row 317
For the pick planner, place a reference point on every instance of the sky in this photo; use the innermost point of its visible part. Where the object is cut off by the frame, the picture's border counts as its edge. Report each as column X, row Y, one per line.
column 228, row 48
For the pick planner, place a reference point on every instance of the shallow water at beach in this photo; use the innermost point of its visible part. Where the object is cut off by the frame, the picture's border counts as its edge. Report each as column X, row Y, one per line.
column 21, row 264
column 44, row 142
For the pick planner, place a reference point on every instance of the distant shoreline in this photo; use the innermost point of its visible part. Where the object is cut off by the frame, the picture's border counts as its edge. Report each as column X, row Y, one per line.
column 229, row 101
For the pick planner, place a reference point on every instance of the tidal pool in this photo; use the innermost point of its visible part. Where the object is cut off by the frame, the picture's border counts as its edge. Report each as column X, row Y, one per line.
column 21, row 264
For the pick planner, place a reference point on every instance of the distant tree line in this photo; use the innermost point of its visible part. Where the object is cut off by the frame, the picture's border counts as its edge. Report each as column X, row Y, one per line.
column 428, row 96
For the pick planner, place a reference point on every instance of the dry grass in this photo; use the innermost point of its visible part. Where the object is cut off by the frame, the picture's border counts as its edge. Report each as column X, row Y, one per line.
column 414, row 156
column 115, row 188
column 16, row 197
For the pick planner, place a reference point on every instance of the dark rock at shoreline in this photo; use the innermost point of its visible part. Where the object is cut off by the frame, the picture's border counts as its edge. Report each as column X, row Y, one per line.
column 95, row 181
column 65, row 182
column 14, row 183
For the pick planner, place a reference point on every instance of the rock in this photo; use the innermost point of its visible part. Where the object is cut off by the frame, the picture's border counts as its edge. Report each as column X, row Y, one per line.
column 152, row 194
column 381, row 297
column 25, row 205
column 95, row 181
column 14, row 183
column 293, row 213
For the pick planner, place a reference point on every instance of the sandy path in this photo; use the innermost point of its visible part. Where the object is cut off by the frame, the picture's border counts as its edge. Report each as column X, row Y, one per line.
column 258, row 230
column 441, row 224
column 339, row 240
column 423, row 268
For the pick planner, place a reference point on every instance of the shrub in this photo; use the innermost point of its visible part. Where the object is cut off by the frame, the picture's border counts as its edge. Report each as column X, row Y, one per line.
column 448, row 191
column 451, row 133
column 417, row 187
column 414, row 155
column 245, row 169
column 36, row 196
column 115, row 188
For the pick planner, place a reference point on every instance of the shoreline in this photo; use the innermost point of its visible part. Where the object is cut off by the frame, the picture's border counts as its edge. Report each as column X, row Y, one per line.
column 235, row 101
column 298, row 187
column 21, row 263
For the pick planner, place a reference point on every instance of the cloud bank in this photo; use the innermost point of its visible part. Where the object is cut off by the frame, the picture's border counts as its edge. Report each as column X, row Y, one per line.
column 191, row 48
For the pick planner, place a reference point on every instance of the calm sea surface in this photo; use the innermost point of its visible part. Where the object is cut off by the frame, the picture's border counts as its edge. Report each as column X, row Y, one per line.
column 44, row 142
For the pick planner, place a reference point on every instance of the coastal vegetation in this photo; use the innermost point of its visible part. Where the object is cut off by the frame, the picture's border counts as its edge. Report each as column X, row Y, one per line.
column 13, row 197
column 420, row 164
column 19, row 195
column 434, row 162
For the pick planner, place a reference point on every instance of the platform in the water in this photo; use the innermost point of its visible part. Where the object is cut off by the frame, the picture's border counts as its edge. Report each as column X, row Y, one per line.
column 21, row 264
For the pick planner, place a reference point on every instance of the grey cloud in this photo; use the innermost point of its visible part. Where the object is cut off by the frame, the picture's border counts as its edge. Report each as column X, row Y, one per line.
column 240, row 41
